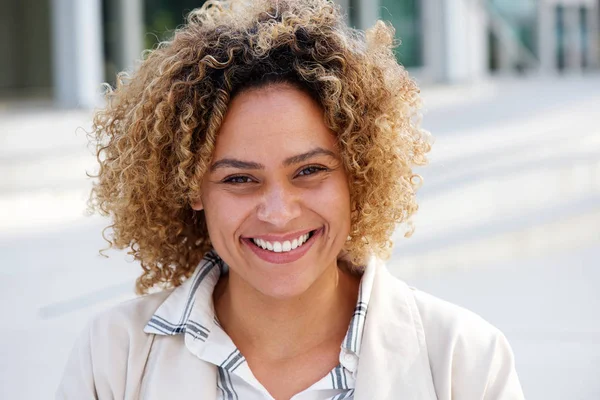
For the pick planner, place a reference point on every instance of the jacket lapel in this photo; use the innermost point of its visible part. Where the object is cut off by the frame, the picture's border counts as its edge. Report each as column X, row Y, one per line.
column 393, row 362
column 173, row 372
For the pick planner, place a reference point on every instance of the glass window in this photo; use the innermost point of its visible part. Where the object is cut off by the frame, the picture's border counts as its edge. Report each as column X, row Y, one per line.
column 560, row 38
column 521, row 17
column 161, row 17
column 583, row 36
column 405, row 16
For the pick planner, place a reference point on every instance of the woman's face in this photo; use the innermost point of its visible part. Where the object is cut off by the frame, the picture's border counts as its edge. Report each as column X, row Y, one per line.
column 276, row 195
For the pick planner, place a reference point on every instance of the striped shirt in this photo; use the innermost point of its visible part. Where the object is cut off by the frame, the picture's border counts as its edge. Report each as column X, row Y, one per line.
column 189, row 311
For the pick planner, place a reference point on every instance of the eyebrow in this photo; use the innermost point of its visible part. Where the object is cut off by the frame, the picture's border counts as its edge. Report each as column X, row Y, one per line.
column 240, row 164
column 233, row 163
column 319, row 151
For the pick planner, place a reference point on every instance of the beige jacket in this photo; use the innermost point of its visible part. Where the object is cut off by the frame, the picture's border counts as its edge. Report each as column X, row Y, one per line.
column 415, row 346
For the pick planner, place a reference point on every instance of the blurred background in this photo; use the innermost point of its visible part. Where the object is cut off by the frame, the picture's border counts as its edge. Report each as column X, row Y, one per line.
column 509, row 219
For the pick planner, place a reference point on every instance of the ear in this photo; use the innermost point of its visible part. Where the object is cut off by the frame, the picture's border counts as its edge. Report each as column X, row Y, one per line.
column 197, row 204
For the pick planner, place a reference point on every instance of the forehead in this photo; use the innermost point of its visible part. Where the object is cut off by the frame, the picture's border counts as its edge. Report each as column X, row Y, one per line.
column 275, row 121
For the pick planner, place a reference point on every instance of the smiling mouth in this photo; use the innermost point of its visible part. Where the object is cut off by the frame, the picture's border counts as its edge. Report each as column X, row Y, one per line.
column 285, row 246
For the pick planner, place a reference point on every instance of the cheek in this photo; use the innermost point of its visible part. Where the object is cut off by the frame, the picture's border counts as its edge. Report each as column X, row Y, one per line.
column 225, row 214
column 333, row 202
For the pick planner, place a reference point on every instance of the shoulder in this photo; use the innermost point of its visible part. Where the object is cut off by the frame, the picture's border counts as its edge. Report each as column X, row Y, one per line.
column 129, row 317
column 468, row 356
column 117, row 334
column 451, row 320
column 439, row 319
column 109, row 356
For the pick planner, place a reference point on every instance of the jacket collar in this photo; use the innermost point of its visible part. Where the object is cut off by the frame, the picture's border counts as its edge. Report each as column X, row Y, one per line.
column 395, row 362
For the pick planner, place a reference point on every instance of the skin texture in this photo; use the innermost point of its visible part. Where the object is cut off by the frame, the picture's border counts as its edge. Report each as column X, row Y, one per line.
column 268, row 126
column 266, row 307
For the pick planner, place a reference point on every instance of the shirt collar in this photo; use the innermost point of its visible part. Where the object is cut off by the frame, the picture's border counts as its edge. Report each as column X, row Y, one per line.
column 353, row 339
column 189, row 309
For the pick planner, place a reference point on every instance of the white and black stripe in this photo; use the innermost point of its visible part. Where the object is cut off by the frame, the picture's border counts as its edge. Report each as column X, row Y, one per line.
column 227, row 367
column 191, row 328
column 339, row 380
column 225, row 385
column 355, row 330
column 234, row 360
column 209, row 262
column 349, row 395
column 185, row 325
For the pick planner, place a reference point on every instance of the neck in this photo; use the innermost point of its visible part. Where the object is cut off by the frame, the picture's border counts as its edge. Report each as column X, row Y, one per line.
column 279, row 329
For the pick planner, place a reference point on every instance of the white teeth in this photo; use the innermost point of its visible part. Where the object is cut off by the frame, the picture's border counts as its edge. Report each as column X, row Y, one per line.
column 279, row 247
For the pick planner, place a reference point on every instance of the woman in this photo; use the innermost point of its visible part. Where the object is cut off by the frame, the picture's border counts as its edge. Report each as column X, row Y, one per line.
column 257, row 166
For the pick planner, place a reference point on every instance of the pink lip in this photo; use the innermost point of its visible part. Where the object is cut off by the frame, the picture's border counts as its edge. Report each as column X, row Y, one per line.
column 282, row 258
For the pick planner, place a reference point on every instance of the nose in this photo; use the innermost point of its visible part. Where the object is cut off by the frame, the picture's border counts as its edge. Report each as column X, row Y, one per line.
column 279, row 206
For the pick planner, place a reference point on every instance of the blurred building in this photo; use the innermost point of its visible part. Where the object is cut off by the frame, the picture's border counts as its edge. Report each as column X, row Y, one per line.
column 465, row 40
column 64, row 49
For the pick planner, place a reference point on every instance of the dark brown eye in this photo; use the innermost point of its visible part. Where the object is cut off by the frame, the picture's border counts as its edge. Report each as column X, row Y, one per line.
column 313, row 169
column 236, row 180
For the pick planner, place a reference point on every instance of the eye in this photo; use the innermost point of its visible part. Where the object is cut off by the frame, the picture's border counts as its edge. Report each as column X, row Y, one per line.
column 239, row 179
column 311, row 170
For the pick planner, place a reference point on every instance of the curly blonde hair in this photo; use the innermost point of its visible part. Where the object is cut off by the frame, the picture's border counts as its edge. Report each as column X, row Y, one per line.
column 156, row 135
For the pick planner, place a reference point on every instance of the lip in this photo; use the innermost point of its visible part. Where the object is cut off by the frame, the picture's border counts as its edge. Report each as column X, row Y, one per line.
column 282, row 258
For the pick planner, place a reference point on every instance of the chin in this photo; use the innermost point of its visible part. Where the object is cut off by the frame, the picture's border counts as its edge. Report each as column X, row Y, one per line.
column 287, row 286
